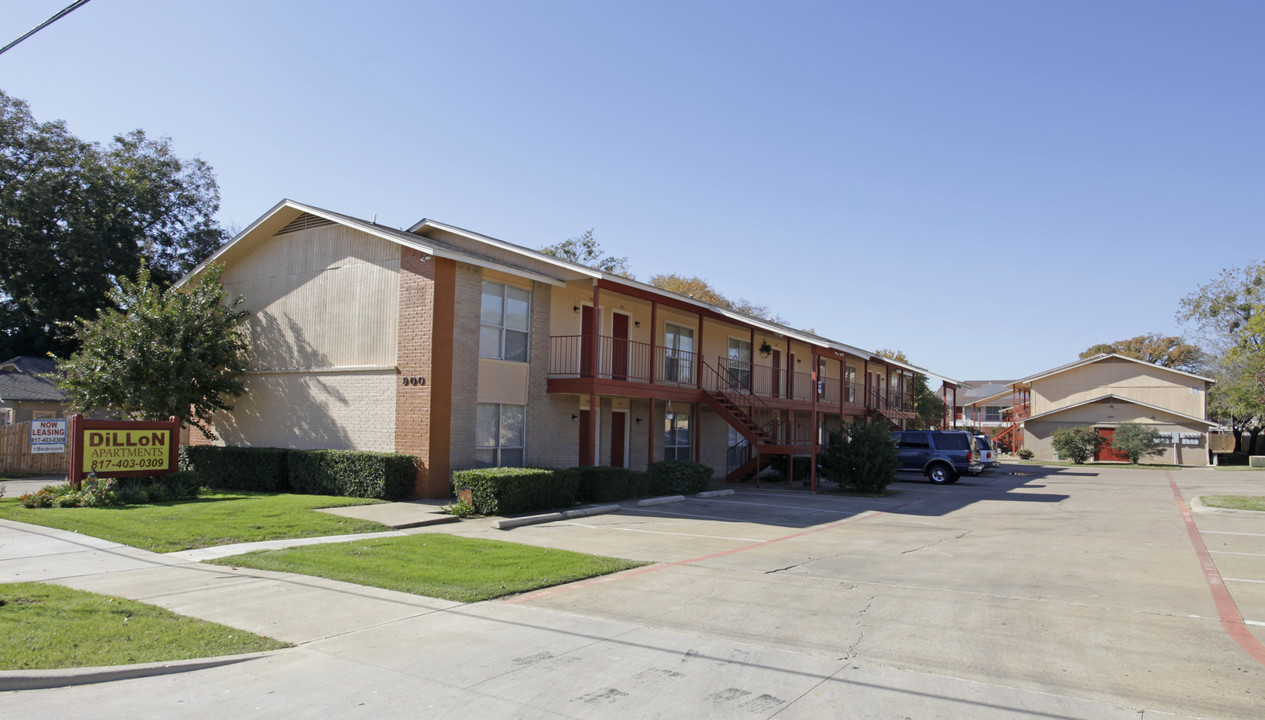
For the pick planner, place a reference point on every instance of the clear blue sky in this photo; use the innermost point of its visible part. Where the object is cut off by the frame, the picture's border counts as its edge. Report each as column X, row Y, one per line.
column 991, row 187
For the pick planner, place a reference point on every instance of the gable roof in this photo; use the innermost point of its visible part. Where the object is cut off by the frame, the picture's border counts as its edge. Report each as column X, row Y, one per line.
column 1099, row 358
column 477, row 249
column 16, row 386
column 1118, row 398
column 29, row 365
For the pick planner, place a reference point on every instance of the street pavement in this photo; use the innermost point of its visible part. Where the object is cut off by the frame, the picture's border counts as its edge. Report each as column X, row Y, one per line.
column 1053, row 592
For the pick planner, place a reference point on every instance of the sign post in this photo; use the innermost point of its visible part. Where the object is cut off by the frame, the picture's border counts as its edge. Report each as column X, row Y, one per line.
column 122, row 448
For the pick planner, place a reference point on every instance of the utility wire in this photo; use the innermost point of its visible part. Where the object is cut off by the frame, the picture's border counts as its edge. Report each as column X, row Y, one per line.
column 64, row 12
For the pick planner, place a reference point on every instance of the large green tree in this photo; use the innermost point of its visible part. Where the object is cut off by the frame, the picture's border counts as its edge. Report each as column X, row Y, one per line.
column 1230, row 313
column 175, row 351
column 76, row 216
column 1165, row 351
column 699, row 289
column 585, row 250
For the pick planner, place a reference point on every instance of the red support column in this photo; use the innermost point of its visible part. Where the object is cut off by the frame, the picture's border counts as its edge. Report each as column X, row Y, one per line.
column 589, row 450
column 812, row 462
column 654, row 345
column 698, row 355
column 650, row 439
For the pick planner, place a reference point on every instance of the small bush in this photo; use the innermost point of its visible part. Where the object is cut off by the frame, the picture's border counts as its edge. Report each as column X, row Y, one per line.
column 461, row 509
column 1137, row 441
column 1026, row 454
column 182, row 485
column 351, row 473
column 678, row 477
column 639, row 484
column 1077, row 444
column 602, row 484
column 504, row 491
column 256, row 469
column 861, row 457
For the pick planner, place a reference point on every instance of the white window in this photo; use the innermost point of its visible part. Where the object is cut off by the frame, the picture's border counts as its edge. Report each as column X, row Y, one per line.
column 676, row 437
column 505, row 316
column 739, row 363
column 499, row 435
column 678, row 354
column 992, row 413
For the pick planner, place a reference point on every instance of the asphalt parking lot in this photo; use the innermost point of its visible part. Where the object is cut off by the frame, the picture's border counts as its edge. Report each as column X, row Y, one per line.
column 1057, row 592
column 1076, row 581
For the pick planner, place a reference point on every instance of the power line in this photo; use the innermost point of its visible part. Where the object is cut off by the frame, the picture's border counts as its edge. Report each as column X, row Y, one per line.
column 64, row 12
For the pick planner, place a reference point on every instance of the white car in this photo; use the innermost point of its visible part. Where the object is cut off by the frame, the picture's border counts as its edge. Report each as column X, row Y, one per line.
column 988, row 454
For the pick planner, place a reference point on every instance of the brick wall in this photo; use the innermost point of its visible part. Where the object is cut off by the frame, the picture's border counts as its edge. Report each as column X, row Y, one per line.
column 467, row 300
column 416, row 330
column 312, row 409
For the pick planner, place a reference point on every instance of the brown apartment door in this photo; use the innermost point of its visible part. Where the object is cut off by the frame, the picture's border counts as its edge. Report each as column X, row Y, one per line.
column 777, row 373
column 587, row 366
column 619, row 347
column 619, row 426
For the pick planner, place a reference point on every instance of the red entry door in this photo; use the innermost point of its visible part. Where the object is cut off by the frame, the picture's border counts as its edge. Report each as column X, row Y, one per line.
column 588, row 367
column 777, row 373
column 1106, row 452
column 619, row 347
column 618, row 420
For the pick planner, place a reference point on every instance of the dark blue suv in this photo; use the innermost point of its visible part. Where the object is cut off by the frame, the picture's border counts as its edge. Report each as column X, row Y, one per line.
column 942, row 455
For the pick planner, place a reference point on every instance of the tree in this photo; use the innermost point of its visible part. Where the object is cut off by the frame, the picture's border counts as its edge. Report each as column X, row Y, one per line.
column 1165, row 351
column 1077, row 444
column 77, row 216
column 1137, row 441
column 861, row 457
column 1230, row 310
column 928, row 407
column 897, row 355
column 179, row 351
column 1237, row 399
column 584, row 250
column 699, row 289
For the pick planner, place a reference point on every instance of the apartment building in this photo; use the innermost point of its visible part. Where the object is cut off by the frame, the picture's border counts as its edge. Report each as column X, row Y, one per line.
column 469, row 351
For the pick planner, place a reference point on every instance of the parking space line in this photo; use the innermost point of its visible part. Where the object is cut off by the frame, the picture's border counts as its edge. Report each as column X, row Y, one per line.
column 1225, row 532
column 660, row 532
column 657, row 511
column 1227, row 552
column 786, row 507
column 1227, row 609
column 1242, row 580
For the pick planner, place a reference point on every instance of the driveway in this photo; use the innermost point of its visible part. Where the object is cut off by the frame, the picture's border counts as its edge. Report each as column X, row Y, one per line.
column 1058, row 593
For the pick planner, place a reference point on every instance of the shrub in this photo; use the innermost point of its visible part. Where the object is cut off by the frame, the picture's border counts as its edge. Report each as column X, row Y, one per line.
column 639, row 484
column 602, row 484
column 182, row 485
column 44, row 497
column 1137, row 441
column 351, row 473
column 238, row 468
column 678, row 477
column 861, row 457
column 1077, row 444
column 1026, row 454
column 504, row 491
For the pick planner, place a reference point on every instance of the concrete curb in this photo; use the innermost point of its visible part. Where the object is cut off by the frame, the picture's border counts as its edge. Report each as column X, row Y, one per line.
column 510, row 523
column 660, row 500
column 1197, row 505
column 68, row 677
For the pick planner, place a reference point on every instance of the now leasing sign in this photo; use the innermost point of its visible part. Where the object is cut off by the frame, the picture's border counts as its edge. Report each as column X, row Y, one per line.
column 48, row 436
column 118, row 448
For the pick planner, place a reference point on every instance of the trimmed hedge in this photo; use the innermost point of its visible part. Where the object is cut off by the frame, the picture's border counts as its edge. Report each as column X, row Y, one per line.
column 504, row 491
column 678, row 477
column 351, row 473
column 238, row 468
column 611, row 484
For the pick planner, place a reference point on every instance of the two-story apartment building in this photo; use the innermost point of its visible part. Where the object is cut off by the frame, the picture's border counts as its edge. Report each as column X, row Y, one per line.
column 468, row 351
column 1105, row 390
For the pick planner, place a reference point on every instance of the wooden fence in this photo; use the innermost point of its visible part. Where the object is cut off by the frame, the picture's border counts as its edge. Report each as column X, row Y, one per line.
column 16, row 456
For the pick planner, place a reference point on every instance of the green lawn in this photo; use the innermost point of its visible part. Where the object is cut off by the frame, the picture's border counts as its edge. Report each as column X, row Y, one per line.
column 49, row 626
column 1235, row 502
column 436, row 565
column 219, row 517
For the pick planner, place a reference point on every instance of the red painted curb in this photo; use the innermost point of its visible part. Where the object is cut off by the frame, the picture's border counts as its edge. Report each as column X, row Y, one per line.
column 1231, row 620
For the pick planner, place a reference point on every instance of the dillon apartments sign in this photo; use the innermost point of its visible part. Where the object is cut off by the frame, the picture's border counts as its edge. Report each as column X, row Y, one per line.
column 122, row 448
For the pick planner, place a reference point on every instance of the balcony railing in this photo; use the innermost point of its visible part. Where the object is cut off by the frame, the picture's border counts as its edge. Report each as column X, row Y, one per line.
column 620, row 359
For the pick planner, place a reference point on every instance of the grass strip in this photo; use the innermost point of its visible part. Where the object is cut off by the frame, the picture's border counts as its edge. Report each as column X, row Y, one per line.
column 218, row 517
column 436, row 565
column 1235, row 502
column 43, row 627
